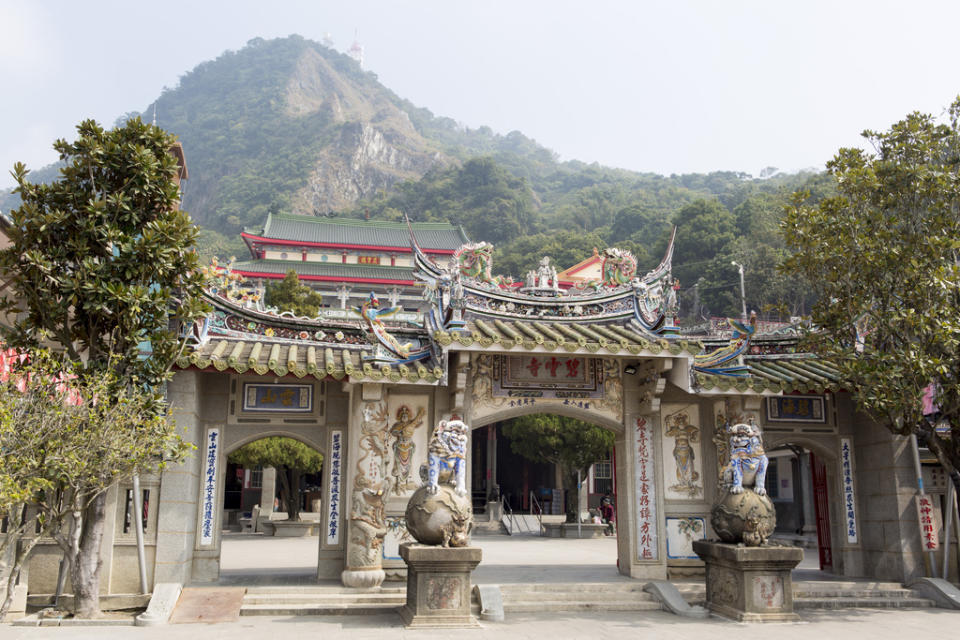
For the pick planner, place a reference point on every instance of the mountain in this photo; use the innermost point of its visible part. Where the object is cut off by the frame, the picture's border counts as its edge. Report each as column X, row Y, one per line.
column 289, row 125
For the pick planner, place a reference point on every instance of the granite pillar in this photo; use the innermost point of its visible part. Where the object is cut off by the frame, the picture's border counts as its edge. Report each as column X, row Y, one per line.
column 749, row 584
column 438, row 586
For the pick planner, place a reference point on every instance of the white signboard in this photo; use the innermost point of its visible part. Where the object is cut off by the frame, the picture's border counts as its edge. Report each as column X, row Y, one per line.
column 333, row 488
column 208, row 503
column 850, row 513
column 646, row 488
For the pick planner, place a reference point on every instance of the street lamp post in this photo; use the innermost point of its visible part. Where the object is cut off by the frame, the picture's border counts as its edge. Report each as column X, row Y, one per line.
column 743, row 290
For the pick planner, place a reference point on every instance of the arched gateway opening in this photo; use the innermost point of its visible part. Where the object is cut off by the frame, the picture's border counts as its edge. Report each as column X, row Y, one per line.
column 272, row 508
column 534, row 476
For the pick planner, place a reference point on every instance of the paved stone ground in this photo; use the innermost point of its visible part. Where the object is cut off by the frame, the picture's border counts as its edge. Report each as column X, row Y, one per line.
column 256, row 559
column 849, row 624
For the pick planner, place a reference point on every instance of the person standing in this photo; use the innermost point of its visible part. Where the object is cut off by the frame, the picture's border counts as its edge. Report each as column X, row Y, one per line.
column 607, row 514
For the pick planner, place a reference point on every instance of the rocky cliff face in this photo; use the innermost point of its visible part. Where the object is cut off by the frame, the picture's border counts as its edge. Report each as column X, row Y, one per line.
column 376, row 145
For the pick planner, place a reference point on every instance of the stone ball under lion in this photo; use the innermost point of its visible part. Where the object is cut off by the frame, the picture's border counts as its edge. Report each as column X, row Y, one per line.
column 744, row 517
column 444, row 518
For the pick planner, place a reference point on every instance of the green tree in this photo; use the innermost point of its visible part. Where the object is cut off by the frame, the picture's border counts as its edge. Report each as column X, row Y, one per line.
column 101, row 264
column 882, row 257
column 290, row 295
column 66, row 441
column 571, row 444
column 291, row 458
column 705, row 233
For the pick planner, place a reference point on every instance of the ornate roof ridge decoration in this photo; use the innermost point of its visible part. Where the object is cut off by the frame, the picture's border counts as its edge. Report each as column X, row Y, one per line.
column 465, row 289
column 726, row 360
column 272, row 357
column 240, row 314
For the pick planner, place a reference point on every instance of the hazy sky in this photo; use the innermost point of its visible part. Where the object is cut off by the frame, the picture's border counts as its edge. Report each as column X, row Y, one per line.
column 668, row 87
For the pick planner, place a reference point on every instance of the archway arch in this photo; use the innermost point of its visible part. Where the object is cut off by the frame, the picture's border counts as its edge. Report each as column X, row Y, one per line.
column 568, row 411
column 822, row 497
column 240, row 440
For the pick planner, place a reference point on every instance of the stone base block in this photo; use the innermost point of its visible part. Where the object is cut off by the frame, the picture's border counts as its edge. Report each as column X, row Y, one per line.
column 749, row 584
column 438, row 586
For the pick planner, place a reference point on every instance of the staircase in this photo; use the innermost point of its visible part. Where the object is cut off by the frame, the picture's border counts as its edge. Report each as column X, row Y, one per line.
column 848, row 595
column 321, row 600
column 565, row 597
column 834, row 594
column 598, row 596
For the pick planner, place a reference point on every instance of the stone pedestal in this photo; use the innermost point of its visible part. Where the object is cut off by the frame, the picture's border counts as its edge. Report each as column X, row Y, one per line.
column 438, row 585
column 750, row 584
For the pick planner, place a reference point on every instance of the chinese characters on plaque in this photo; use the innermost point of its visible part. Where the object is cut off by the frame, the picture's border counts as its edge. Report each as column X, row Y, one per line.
column 285, row 398
column 796, row 409
column 928, row 526
column 208, row 504
column 543, row 376
column 333, row 490
column 848, row 501
column 647, row 547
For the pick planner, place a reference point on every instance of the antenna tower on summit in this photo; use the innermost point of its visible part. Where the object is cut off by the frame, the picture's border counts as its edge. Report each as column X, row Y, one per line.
column 356, row 49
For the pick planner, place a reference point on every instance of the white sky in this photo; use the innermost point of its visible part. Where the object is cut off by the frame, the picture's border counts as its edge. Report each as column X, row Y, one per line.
column 668, row 87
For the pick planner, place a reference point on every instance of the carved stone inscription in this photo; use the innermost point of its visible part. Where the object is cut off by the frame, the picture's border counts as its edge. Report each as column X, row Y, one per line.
column 768, row 591
column 444, row 592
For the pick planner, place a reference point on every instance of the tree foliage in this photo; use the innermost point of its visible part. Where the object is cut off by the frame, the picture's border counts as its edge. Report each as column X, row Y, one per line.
column 66, row 440
column 571, row 444
column 290, row 457
column 882, row 257
column 290, row 295
column 101, row 264
column 101, row 260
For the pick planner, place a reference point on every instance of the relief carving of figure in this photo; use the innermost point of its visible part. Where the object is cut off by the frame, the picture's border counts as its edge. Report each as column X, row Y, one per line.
column 403, row 446
column 684, row 435
column 372, row 485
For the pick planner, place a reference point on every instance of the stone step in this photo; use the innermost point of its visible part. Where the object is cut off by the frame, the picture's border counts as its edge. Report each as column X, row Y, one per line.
column 542, row 606
column 853, row 593
column 324, row 599
column 324, row 590
column 575, row 596
column 872, row 602
column 316, row 609
column 573, row 587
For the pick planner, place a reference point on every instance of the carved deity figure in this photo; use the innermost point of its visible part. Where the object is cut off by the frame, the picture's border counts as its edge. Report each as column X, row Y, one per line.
column 403, row 446
column 748, row 462
column 447, row 457
column 684, row 434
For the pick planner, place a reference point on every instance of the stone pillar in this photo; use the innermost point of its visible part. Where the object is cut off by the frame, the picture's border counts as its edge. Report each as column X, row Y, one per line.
column 749, row 584
column 268, row 491
column 438, row 586
column 370, row 487
column 180, row 487
column 806, row 495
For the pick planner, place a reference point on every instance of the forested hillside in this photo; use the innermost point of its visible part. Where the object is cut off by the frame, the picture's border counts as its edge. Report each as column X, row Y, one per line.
column 289, row 125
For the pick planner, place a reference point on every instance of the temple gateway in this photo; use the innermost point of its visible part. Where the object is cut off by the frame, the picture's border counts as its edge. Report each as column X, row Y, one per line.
column 366, row 384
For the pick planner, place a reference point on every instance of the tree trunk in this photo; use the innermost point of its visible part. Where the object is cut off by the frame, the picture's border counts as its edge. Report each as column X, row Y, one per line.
column 85, row 564
column 293, row 494
column 22, row 552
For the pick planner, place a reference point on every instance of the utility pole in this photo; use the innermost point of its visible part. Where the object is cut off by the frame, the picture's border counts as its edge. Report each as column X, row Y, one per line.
column 743, row 290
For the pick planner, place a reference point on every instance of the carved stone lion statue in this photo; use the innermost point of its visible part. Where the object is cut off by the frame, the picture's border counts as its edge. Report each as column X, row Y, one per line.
column 439, row 512
column 744, row 513
column 447, row 456
column 748, row 462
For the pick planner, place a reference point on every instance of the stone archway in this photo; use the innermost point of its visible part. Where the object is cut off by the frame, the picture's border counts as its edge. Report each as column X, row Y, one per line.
column 826, row 450
column 235, row 437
